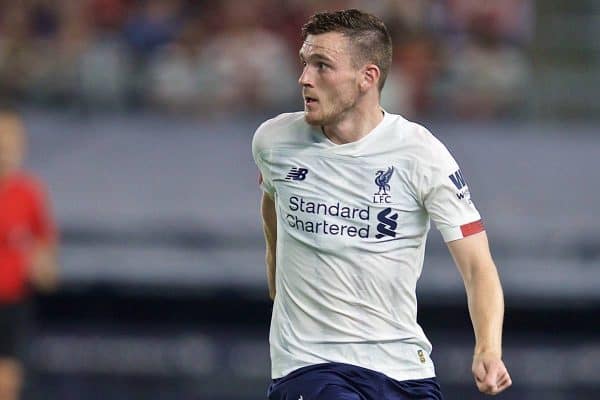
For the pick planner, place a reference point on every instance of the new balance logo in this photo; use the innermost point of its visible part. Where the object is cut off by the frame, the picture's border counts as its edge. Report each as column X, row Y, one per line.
column 458, row 179
column 297, row 174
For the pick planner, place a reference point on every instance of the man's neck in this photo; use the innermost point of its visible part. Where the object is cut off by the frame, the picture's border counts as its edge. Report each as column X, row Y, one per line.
column 6, row 174
column 354, row 126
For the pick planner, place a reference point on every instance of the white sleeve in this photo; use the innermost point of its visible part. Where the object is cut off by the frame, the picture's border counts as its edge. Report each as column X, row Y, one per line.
column 259, row 153
column 446, row 196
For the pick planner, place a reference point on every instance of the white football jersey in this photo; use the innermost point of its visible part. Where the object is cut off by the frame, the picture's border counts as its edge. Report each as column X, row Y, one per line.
column 352, row 221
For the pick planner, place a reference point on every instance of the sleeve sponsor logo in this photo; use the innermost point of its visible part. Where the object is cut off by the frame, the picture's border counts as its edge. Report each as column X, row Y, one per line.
column 459, row 181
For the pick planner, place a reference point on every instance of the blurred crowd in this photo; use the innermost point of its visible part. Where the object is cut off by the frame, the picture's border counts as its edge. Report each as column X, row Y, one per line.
column 460, row 58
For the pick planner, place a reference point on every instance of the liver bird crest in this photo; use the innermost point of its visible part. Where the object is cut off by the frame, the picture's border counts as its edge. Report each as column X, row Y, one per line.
column 382, row 180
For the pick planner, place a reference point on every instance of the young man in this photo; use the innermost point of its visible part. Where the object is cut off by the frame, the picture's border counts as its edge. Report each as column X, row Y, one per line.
column 349, row 192
column 27, row 251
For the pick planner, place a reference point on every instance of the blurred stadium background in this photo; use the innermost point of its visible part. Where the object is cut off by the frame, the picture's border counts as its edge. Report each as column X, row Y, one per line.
column 140, row 116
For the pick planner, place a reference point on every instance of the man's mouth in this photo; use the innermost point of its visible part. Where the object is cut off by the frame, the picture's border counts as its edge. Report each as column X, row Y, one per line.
column 309, row 100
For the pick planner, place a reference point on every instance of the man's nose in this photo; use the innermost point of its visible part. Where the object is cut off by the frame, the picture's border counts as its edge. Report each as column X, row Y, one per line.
column 305, row 79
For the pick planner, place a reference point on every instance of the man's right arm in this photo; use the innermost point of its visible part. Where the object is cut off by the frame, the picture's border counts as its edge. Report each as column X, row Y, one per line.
column 269, row 218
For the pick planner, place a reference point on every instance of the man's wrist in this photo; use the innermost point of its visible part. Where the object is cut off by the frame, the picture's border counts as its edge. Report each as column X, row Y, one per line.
column 486, row 351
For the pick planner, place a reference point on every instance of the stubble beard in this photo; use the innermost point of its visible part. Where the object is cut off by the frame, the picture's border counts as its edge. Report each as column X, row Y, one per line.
column 334, row 115
column 314, row 120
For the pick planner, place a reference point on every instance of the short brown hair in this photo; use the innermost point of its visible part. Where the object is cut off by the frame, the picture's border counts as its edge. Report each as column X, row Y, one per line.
column 367, row 33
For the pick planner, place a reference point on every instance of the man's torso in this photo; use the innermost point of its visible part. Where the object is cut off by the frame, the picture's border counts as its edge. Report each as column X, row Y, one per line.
column 351, row 237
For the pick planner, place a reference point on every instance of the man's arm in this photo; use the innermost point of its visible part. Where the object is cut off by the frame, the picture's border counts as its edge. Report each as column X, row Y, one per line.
column 269, row 218
column 43, row 271
column 486, row 307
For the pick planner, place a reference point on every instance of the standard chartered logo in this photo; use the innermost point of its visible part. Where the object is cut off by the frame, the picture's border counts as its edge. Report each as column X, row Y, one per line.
column 355, row 221
column 323, row 226
column 387, row 223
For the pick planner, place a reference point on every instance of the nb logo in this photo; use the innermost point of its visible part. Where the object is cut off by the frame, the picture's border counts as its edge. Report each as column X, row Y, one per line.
column 296, row 174
column 387, row 223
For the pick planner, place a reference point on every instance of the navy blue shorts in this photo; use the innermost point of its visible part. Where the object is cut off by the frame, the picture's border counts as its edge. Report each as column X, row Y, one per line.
column 335, row 381
column 15, row 321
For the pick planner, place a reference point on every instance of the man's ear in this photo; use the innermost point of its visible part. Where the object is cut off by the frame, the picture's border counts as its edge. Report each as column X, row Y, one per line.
column 370, row 76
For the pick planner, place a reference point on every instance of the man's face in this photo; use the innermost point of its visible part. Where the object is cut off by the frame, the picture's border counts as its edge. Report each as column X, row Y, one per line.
column 11, row 143
column 329, row 79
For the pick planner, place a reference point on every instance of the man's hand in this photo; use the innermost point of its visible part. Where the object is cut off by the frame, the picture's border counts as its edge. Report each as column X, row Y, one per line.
column 490, row 374
column 43, row 271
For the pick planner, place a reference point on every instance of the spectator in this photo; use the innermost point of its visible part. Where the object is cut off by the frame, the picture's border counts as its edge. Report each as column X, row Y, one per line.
column 416, row 69
column 15, row 50
column 185, row 56
column 175, row 75
column 241, row 74
column 27, row 251
column 487, row 76
column 154, row 24
column 54, row 77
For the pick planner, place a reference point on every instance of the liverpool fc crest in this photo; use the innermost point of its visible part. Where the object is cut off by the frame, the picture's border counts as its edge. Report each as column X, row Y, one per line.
column 382, row 180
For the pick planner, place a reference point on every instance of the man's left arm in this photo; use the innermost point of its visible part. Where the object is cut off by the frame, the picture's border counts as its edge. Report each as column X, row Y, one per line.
column 43, row 270
column 486, row 307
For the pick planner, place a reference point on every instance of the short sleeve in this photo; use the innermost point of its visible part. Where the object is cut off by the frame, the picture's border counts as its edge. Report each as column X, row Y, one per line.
column 265, row 184
column 260, row 151
column 447, row 198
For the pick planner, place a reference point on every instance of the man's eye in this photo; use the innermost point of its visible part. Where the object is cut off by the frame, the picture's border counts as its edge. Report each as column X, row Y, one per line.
column 321, row 65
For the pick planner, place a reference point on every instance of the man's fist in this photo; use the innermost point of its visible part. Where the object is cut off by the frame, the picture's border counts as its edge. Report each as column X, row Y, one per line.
column 490, row 374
